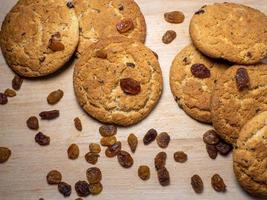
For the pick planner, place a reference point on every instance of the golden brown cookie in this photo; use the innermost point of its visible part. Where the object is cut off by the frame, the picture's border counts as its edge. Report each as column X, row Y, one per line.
column 118, row 80
column 39, row 37
column 250, row 156
column 231, row 31
column 106, row 18
column 192, row 78
column 239, row 94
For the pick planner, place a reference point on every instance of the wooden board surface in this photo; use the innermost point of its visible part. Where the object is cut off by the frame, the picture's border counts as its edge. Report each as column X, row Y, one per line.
column 23, row 176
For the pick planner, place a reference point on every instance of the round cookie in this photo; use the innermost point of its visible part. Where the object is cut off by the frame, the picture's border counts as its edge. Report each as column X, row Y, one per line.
column 250, row 156
column 99, row 85
column 193, row 93
column 232, row 104
column 39, row 37
column 99, row 19
column 230, row 31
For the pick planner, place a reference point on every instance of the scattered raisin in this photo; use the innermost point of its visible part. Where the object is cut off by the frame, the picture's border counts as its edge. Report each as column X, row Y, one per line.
column 160, row 160
column 144, row 172
column 125, row 159
column 10, row 93
column 55, row 43
column 70, row 4
column 33, row 123
column 125, row 25
column 113, row 150
column 200, row 71
column 49, row 114
column 218, row 183
column 17, row 82
column 211, row 137
column 108, row 141
column 175, row 17
column 197, row 184
column 78, row 124
column 42, row 139
column 55, row 96
column 168, row 37
column 94, row 148
column 199, row 12
column 64, row 189
column 163, row 176
column 91, row 158
column 5, row 153
column 150, row 136
column 224, row 148
column 180, row 156
column 163, row 140
column 129, row 64
column 96, row 188
column 3, row 99
column 212, row 151
column 53, row 177
column 82, row 188
column 93, row 175
column 108, row 130
column 133, row 142
column 130, row 86
column 121, row 7
column 242, row 79
column 101, row 54
column 73, row 151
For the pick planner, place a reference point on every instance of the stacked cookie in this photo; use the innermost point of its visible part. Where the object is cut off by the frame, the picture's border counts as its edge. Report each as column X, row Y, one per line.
column 220, row 80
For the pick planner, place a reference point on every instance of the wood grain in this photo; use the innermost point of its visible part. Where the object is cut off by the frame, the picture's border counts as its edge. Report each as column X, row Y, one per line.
column 23, row 176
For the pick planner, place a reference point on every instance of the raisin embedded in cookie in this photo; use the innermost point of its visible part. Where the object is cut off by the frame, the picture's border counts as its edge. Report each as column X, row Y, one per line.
column 107, row 18
column 192, row 78
column 250, row 156
column 230, row 31
column 39, row 37
column 118, row 80
column 239, row 94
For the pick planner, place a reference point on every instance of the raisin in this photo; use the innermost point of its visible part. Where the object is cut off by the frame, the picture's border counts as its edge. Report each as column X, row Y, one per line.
column 224, row 148
column 53, row 177
column 70, row 4
column 211, row 137
column 199, row 12
column 163, row 140
column 73, row 151
column 242, row 79
column 108, row 141
column 175, row 17
column 10, row 93
column 200, row 71
column 94, row 148
column 55, row 43
column 212, row 151
column 17, row 82
column 79, row 199
column 132, row 65
column 64, row 189
column 55, row 96
column 5, row 153
column 33, row 123
column 197, row 184
column 125, row 159
column 218, row 183
column 168, row 37
column 150, row 136
column 180, row 156
column 82, row 188
column 121, row 7
column 113, row 150
column 101, row 54
column 93, row 175
column 160, row 160
column 42, row 139
column 96, row 188
column 3, row 99
column 91, row 158
column 130, row 86
column 163, row 176
column 125, row 25
column 108, row 130
column 144, row 172
column 133, row 142
column 49, row 114
column 78, row 124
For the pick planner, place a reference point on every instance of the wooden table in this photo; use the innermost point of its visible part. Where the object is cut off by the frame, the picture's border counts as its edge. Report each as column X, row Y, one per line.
column 24, row 175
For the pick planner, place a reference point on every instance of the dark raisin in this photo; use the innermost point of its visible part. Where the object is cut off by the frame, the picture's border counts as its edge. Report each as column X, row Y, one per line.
column 144, row 172
column 242, row 79
column 49, row 114
column 95, row 188
column 150, row 136
column 78, row 124
column 113, row 150
column 17, row 82
column 82, row 188
column 132, row 65
column 73, row 151
column 224, row 148
column 199, row 12
column 5, row 153
column 125, row 25
column 55, row 43
column 125, row 159
column 55, row 96
column 42, row 139
column 130, row 86
column 169, row 36
column 212, row 151
column 3, row 99
column 180, row 156
column 70, row 4
column 218, row 183
column 53, row 177
column 121, row 7
column 200, row 71
column 175, row 17
column 33, row 123
column 163, row 140
column 64, row 189
column 108, row 130
column 133, row 142
column 211, row 137
column 101, row 54
column 93, row 175
column 197, row 184
column 163, row 176
column 91, row 157
column 160, row 160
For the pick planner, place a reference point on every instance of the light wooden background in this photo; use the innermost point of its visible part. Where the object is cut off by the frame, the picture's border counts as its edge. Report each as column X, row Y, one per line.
column 23, row 177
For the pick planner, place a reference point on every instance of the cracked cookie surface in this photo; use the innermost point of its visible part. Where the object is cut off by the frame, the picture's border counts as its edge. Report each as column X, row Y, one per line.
column 191, row 93
column 98, row 20
column 250, row 156
column 232, row 108
column 97, row 80
column 27, row 31
column 231, row 31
